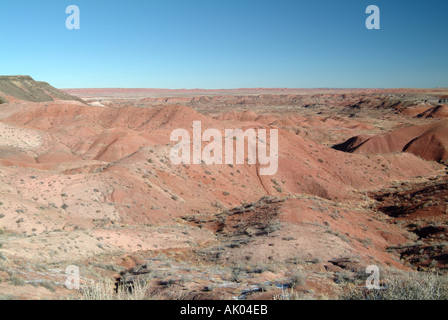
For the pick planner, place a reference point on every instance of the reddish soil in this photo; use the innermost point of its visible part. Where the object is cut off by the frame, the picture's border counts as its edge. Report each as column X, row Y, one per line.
column 429, row 142
column 93, row 185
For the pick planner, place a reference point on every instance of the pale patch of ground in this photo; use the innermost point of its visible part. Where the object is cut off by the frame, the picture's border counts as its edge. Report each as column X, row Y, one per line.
column 20, row 138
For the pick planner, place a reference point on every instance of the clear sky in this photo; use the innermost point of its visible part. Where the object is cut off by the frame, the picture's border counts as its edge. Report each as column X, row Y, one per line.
column 226, row 44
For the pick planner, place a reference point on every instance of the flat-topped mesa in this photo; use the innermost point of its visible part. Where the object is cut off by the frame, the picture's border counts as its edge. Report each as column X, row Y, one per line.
column 17, row 77
column 26, row 88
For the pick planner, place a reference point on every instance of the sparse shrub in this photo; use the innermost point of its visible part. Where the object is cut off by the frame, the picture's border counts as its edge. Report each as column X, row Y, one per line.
column 226, row 193
column 261, row 267
column 211, row 287
column 298, row 278
column 40, row 267
column 105, row 290
column 290, row 294
column 407, row 286
column 433, row 263
column 8, row 297
column 367, row 242
column 168, row 283
column 344, row 237
column 16, row 281
column 48, row 285
column 251, row 231
column 335, row 216
column 317, row 260
column 236, row 276
column 272, row 227
column 264, row 287
column 297, row 260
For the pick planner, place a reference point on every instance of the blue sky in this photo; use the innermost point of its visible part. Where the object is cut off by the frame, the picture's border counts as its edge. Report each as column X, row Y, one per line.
column 215, row 44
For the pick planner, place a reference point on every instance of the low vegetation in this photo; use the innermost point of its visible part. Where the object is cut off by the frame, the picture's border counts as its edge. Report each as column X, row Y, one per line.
column 105, row 290
column 404, row 286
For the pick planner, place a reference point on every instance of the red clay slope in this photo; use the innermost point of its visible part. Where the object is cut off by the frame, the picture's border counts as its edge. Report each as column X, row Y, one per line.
column 440, row 111
column 100, row 135
column 429, row 142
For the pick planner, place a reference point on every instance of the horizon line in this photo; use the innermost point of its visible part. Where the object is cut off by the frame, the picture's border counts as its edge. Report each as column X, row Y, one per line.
column 235, row 89
column 256, row 88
